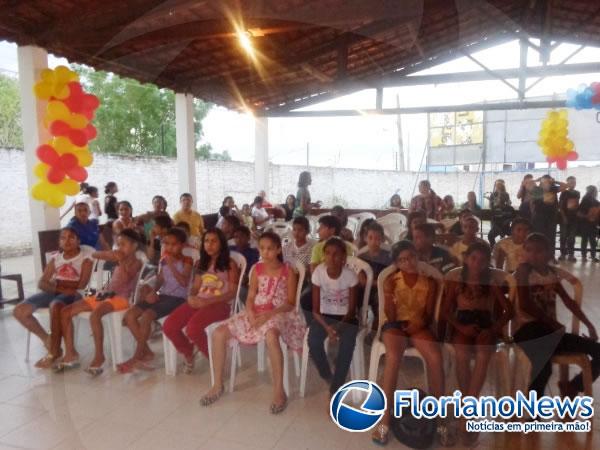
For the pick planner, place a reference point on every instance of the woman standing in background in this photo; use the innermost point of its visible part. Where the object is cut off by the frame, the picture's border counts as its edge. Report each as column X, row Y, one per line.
column 110, row 201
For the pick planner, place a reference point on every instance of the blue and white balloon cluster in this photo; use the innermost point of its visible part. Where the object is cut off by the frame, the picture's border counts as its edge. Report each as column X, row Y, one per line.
column 584, row 97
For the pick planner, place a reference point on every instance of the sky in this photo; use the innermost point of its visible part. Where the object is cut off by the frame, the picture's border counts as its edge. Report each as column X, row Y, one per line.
column 369, row 142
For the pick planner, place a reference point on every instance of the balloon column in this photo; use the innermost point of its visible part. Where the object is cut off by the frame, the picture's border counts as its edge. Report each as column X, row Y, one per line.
column 554, row 139
column 64, row 157
column 584, row 97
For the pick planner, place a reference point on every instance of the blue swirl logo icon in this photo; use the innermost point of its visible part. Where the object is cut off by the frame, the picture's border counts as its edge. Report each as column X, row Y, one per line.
column 361, row 418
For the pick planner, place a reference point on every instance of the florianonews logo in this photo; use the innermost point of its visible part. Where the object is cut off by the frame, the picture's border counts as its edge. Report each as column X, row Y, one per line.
column 361, row 418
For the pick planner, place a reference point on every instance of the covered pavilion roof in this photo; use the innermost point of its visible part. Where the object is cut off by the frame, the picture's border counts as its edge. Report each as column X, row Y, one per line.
column 304, row 50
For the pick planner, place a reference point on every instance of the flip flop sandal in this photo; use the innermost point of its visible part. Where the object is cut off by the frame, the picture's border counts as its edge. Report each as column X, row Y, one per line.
column 65, row 366
column 46, row 362
column 278, row 409
column 144, row 365
column 381, row 434
column 208, row 400
column 94, row 371
column 126, row 367
column 188, row 367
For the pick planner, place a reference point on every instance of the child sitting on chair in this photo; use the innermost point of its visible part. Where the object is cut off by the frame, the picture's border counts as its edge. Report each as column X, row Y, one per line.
column 409, row 310
column 114, row 298
column 470, row 228
column 378, row 259
column 162, row 224
column 472, row 294
column 170, row 291
column 66, row 274
column 270, row 313
column 508, row 252
column 334, row 296
column 538, row 331
column 209, row 300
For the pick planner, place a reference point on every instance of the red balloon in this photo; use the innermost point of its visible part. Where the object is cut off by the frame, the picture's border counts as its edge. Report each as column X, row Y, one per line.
column 59, row 128
column 78, row 174
column 47, row 154
column 55, row 175
column 91, row 102
column 90, row 131
column 68, row 161
column 78, row 137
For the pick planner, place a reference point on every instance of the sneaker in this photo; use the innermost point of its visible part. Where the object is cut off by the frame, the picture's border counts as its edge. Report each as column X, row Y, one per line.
column 594, row 259
column 561, row 258
column 584, row 258
column 571, row 258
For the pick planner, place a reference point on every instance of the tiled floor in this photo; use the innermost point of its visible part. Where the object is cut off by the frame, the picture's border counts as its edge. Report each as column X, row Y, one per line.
column 150, row 410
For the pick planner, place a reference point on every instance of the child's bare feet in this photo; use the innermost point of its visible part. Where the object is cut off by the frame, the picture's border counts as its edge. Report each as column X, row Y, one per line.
column 279, row 403
column 213, row 394
column 70, row 357
column 47, row 361
column 98, row 361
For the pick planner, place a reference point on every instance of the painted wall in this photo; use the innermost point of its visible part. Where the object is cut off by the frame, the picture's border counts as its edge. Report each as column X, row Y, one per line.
column 141, row 178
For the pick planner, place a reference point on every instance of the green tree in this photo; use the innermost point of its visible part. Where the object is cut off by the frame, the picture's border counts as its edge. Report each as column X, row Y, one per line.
column 139, row 119
column 11, row 135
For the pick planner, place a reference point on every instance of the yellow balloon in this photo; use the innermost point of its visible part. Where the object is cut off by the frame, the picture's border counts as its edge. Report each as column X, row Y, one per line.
column 61, row 91
column 38, row 191
column 63, row 145
column 56, row 199
column 68, row 187
column 84, row 156
column 47, row 75
column 42, row 90
column 64, row 75
column 40, row 170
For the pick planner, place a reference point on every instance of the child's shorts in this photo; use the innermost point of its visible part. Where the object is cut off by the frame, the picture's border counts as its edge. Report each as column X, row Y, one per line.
column 46, row 299
column 481, row 318
column 118, row 303
column 163, row 307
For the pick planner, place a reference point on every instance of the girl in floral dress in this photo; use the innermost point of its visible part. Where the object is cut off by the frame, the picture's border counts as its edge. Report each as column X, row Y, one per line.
column 270, row 314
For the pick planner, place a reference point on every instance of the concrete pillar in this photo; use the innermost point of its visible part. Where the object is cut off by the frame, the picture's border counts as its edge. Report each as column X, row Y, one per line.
column 261, row 154
column 32, row 60
column 186, row 144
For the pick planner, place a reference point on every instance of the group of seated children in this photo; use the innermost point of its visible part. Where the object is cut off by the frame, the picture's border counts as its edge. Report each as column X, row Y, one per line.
column 194, row 296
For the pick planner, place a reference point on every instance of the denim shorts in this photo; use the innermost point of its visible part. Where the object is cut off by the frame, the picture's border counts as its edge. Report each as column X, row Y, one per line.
column 46, row 299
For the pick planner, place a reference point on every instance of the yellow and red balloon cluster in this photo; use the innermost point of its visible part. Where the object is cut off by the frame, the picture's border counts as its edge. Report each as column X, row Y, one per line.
column 554, row 139
column 65, row 156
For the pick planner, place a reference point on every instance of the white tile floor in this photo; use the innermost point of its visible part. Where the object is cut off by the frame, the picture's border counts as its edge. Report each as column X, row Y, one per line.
column 43, row 410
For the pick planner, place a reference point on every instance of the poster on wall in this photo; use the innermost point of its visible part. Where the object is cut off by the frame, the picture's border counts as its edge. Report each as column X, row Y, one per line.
column 455, row 128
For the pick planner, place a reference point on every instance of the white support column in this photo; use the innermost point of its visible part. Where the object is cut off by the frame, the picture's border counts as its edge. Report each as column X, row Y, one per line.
column 261, row 154
column 186, row 144
column 32, row 60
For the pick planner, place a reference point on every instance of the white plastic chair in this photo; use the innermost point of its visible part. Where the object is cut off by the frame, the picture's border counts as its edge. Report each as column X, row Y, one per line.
column 282, row 229
column 500, row 361
column 169, row 349
column 357, row 367
column 260, row 347
column 522, row 369
column 353, row 226
column 392, row 219
column 114, row 323
column 360, row 218
column 378, row 349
